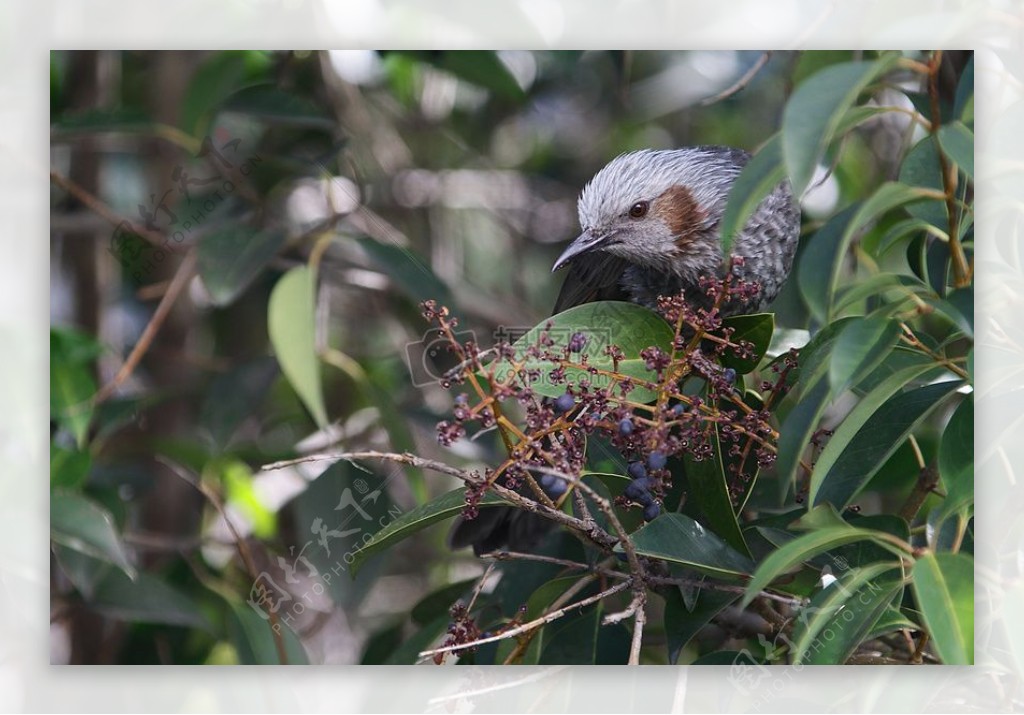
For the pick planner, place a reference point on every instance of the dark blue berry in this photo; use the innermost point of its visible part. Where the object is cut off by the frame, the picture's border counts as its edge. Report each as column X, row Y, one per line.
column 729, row 375
column 644, row 499
column 557, row 488
column 626, row 427
column 657, row 460
column 546, row 480
column 651, row 511
column 564, row 403
column 679, row 409
column 637, row 470
column 636, row 488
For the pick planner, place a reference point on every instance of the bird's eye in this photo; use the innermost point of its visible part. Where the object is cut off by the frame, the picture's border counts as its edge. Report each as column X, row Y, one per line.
column 639, row 209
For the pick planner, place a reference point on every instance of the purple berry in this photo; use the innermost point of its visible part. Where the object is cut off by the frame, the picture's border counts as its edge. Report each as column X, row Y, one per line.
column 576, row 342
column 679, row 409
column 626, row 427
column 637, row 470
column 729, row 375
column 651, row 511
column 657, row 460
column 564, row 403
column 557, row 487
column 547, row 480
column 635, row 490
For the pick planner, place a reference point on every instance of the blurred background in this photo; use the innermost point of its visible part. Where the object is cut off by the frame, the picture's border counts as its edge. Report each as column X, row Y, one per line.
column 184, row 186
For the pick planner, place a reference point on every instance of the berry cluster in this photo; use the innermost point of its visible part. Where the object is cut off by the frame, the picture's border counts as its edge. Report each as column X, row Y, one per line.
column 546, row 436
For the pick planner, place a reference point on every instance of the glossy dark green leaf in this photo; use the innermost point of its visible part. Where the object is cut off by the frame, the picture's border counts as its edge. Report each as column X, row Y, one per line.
column 423, row 639
column 230, row 258
column 797, row 429
column 292, row 329
column 572, row 640
column 806, row 546
column 147, row 599
column 856, row 452
column 679, row 539
column 957, row 143
column 444, row 507
column 944, row 589
column 411, row 274
column 253, row 638
column 631, row 327
column 920, row 167
column 85, row 572
column 861, row 346
column 956, row 459
column 234, row 397
column 814, row 267
column 831, row 627
column 83, row 525
column 762, row 173
column 815, row 111
column 890, row 621
column 757, row 329
column 69, row 468
column 893, row 287
column 709, row 489
column 958, row 308
column 681, row 625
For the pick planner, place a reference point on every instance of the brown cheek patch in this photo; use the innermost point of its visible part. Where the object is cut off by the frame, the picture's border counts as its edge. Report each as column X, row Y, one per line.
column 680, row 212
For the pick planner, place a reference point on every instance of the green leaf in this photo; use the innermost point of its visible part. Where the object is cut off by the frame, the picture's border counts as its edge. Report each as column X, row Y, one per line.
column 83, row 571
column 573, row 640
column 815, row 111
column 480, row 67
column 234, row 397
column 212, row 82
column 631, row 327
column 956, row 459
column 440, row 601
column 806, row 546
column 682, row 625
column 921, row 168
column 291, row 324
column 861, row 346
column 709, row 489
column 410, row 273
column 253, row 638
column 69, row 468
column 273, row 105
column 957, row 307
column 72, row 385
column 83, row 525
column 762, row 173
column 444, row 507
column 957, row 143
column 228, row 259
column 679, row 539
column 880, row 287
column 797, row 429
column 237, row 479
column 837, row 620
column 944, row 589
column 147, row 599
column 756, row 329
column 963, row 107
column 870, row 434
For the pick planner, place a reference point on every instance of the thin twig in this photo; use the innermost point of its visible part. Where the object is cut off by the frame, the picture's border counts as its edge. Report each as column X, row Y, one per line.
column 740, row 84
column 536, row 623
column 638, row 632
column 240, row 544
column 163, row 309
column 97, row 206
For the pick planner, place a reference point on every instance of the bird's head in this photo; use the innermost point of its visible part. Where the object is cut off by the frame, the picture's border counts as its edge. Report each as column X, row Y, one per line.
column 658, row 209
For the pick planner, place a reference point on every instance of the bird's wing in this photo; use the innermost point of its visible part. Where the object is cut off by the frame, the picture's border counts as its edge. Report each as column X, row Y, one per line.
column 592, row 277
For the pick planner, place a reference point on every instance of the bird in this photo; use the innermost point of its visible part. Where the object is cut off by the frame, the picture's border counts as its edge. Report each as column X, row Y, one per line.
column 649, row 225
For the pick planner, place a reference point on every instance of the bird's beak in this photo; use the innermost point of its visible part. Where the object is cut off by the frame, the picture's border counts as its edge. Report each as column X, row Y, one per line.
column 585, row 242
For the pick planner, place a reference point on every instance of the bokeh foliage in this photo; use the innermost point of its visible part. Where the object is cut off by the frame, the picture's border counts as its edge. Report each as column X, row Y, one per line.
column 277, row 217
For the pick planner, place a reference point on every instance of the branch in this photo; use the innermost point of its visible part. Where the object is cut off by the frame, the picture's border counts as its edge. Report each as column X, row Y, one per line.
column 536, row 623
column 740, row 84
column 98, row 207
column 163, row 309
column 240, row 543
